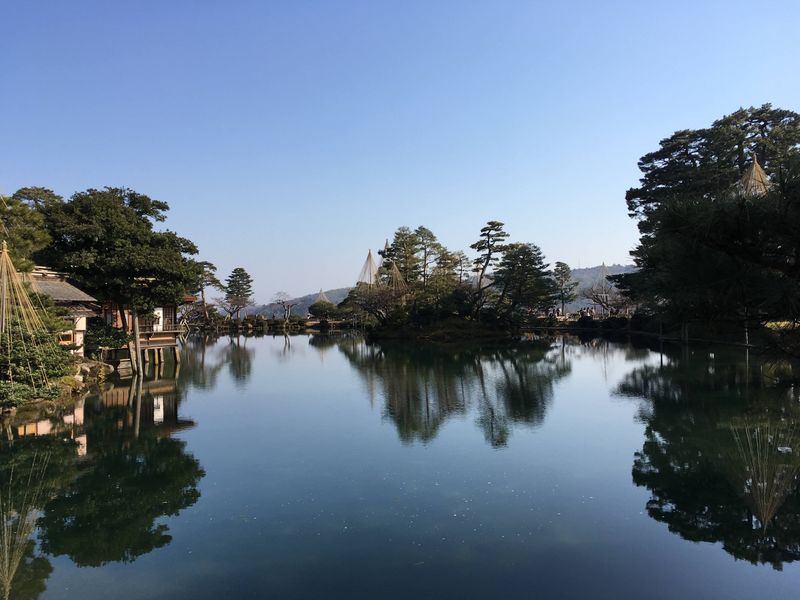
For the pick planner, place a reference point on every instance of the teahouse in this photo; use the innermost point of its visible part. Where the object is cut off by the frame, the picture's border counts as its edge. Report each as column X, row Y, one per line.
column 78, row 304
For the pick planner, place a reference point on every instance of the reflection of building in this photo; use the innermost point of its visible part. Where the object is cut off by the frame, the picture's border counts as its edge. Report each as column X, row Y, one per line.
column 70, row 423
column 159, row 405
column 78, row 304
column 158, row 409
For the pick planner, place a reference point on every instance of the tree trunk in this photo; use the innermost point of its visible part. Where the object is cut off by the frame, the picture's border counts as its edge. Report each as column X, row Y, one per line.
column 205, row 306
column 132, row 354
column 138, row 413
column 746, row 328
column 137, row 343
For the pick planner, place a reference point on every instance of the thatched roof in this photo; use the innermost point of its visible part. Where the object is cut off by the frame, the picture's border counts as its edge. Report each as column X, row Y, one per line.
column 55, row 285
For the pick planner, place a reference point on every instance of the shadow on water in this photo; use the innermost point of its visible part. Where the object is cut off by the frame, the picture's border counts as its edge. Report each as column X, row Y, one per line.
column 721, row 455
column 422, row 386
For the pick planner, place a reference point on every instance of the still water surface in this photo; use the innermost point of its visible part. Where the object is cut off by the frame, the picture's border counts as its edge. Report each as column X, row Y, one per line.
column 323, row 467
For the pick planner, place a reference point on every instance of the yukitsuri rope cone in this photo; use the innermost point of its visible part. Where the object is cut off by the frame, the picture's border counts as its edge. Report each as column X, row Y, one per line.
column 369, row 272
column 21, row 326
column 765, row 468
column 18, row 519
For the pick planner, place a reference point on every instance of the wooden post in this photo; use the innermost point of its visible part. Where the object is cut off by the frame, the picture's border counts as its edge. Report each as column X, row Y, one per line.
column 177, row 355
column 132, row 354
column 137, row 342
column 138, row 405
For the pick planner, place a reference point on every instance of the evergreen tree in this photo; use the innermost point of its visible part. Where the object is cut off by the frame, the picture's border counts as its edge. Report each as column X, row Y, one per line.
column 206, row 277
column 23, row 228
column 706, row 250
column 105, row 239
column 490, row 247
column 403, row 252
column 239, row 290
column 429, row 249
column 523, row 281
column 564, row 284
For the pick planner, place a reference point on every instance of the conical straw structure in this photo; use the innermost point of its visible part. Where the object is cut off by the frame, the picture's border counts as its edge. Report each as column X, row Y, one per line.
column 369, row 272
column 21, row 326
column 17, row 523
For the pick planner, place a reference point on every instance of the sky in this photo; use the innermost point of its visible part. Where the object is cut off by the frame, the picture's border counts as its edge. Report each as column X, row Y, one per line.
column 291, row 137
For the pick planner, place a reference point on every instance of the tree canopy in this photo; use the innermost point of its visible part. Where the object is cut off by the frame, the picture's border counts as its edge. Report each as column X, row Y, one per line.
column 708, row 251
column 107, row 241
column 238, row 291
column 23, row 228
column 564, row 284
column 421, row 282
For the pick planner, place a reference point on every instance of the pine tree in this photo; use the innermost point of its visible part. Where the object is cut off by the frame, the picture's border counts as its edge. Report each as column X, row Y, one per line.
column 565, row 286
column 523, row 280
column 238, row 290
column 490, row 246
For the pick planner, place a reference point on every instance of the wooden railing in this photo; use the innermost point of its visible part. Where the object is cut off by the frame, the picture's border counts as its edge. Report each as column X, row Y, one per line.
column 150, row 326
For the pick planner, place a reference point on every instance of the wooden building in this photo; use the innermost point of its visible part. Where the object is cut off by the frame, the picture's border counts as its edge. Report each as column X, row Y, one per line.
column 157, row 331
column 78, row 304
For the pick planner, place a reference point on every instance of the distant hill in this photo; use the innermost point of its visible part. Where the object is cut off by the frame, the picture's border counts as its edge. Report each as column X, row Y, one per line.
column 303, row 302
column 585, row 278
column 589, row 275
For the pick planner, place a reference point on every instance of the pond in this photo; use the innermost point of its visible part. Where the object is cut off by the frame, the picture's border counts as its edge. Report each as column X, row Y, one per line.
column 326, row 467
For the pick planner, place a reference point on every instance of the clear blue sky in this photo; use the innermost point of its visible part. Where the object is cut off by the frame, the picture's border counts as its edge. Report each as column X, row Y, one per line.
column 290, row 137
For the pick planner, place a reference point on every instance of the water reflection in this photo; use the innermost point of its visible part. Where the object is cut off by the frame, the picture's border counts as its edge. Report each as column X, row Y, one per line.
column 423, row 386
column 92, row 481
column 33, row 470
column 239, row 358
column 721, row 455
column 198, row 369
column 94, row 522
column 719, row 462
column 128, row 429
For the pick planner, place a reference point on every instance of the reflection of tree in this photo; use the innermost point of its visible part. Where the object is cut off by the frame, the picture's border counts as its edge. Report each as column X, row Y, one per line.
column 239, row 359
column 720, row 456
column 106, row 506
column 31, row 472
column 133, row 475
column 196, row 370
column 322, row 342
column 422, row 386
column 764, row 467
column 109, row 512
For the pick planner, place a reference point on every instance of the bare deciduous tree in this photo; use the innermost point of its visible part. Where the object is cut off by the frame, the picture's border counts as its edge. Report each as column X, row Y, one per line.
column 283, row 300
column 605, row 294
